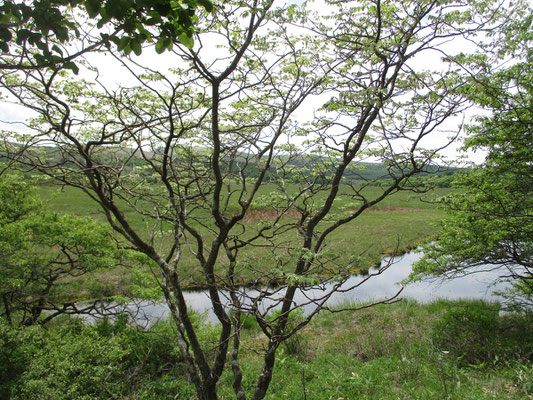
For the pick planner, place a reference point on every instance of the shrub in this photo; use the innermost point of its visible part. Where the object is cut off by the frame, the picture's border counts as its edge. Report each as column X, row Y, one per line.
column 17, row 348
column 75, row 363
column 109, row 360
column 475, row 333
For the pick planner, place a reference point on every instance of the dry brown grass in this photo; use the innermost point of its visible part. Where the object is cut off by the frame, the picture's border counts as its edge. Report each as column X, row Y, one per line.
column 265, row 214
column 394, row 209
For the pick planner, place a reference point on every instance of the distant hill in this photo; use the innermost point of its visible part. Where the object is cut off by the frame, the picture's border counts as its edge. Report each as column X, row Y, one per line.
column 296, row 166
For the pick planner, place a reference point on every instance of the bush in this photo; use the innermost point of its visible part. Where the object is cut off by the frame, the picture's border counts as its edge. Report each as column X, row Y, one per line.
column 109, row 360
column 246, row 321
column 475, row 333
column 17, row 349
column 75, row 363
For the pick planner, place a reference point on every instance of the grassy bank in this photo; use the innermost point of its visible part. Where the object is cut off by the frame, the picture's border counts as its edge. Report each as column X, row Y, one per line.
column 444, row 350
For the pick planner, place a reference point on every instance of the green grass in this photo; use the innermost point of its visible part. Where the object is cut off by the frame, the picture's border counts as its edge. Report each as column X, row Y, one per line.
column 397, row 224
column 73, row 200
column 402, row 351
column 392, row 352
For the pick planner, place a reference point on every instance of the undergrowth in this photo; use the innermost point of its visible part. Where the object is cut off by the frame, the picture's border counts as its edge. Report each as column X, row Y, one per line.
column 444, row 350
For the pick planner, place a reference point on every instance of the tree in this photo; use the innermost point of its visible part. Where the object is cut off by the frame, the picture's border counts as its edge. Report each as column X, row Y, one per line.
column 490, row 223
column 39, row 250
column 178, row 147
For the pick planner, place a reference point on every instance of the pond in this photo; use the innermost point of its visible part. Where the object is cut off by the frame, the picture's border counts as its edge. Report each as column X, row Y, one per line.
column 385, row 285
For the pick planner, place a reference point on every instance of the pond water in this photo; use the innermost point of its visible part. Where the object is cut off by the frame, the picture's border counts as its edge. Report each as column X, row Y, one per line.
column 382, row 286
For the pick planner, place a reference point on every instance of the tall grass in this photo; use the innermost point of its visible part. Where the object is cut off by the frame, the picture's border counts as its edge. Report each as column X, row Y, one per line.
column 393, row 352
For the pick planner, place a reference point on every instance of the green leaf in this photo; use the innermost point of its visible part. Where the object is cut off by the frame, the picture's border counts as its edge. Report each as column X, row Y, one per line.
column 186, row 40
column 127, row 49
column 136, row 47
column 115, row 40
column 206, row 4
column 161, row 46
column 106, row 17
column 6, row 18
column 42, row 46
column 34, row 38
column 93, row 7
column 153, row 21
column 57, row 50
column 123, row 43
column 40, row 59
column 5, row 35
column 114, row 9
column 23, row 35
column 72, row 66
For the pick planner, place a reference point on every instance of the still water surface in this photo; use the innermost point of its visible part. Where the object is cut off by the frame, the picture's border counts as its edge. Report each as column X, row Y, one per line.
column 475, row 286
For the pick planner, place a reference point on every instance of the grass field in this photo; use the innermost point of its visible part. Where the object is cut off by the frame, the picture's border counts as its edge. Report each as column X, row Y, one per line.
column 400, row 222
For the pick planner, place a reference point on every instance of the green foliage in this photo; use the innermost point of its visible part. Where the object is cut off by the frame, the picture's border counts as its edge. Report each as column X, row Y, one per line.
column 16, row 199
column 196, row 126
column 246, row 321
column 491, row 219
column 401, row 216
column 40, row 248
column 475, row 334
column 17, row 348
column 22, row 23
column 106, row 361
column 166, row 389
column 295, row 344
column 207, row 333
column 75, row 364
column 45, row 25
column 386, row 352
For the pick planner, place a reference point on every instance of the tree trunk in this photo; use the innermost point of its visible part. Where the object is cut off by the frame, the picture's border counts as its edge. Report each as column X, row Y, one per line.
column 264, row 379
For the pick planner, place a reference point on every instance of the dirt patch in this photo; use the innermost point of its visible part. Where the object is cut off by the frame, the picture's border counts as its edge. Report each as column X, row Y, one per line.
column 268, row 214
column 394, row 209
column 264, row 214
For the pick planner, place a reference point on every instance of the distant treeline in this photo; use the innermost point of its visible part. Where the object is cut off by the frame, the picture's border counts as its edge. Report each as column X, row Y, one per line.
column 295, row 168
column 302, row 166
